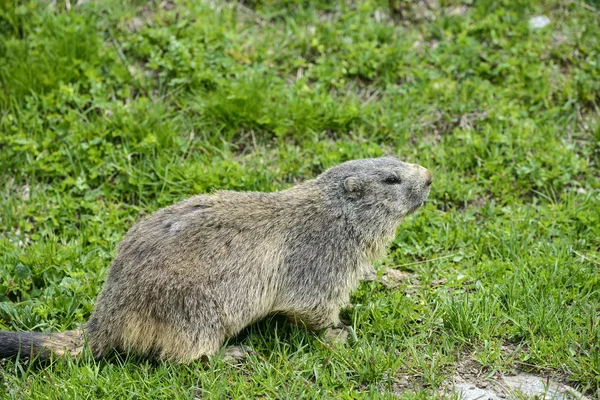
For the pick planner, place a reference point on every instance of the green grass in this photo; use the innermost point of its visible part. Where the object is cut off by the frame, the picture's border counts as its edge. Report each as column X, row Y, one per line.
column 111, row 111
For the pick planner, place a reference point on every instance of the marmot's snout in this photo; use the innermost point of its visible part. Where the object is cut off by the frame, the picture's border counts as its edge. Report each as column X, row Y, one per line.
column 428, row 177
column 424, row 179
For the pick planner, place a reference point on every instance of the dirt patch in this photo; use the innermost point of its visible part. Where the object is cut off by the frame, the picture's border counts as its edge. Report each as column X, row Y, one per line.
column 470, row 372
column 471, row 382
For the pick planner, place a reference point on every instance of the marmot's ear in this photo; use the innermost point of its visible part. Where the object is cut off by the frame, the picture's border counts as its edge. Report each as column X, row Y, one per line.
column 353, row 185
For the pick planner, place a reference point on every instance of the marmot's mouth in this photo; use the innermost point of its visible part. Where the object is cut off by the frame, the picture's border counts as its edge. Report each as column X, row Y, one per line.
column 415, row 207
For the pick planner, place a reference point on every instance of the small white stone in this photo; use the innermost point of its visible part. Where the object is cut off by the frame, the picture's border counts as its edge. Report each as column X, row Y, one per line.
column 539, row 21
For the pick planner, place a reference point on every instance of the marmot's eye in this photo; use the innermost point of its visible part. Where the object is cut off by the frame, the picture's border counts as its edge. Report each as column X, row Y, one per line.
column 392, row 180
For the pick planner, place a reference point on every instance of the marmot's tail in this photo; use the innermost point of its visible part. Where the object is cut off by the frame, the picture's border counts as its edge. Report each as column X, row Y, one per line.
column 41, row 345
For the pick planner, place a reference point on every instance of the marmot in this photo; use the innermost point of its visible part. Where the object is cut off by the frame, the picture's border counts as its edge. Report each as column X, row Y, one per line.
column 192, row 275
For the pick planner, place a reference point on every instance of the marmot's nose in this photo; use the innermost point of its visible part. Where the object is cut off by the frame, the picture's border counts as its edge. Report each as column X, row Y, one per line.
column 428, row 177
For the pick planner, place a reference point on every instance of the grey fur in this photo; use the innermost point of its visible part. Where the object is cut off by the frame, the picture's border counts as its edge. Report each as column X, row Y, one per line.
column 196, row 273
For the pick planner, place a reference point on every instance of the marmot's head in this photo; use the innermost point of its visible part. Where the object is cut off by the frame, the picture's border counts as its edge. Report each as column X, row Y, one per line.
column 379, row 185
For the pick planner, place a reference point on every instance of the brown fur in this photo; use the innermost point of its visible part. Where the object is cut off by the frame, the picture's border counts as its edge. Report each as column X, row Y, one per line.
column 196, row 273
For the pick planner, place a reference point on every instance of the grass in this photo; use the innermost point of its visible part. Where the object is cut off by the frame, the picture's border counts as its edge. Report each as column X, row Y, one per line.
column 111, row 110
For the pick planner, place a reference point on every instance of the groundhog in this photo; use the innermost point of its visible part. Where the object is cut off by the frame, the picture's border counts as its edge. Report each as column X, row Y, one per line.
column 192, row 275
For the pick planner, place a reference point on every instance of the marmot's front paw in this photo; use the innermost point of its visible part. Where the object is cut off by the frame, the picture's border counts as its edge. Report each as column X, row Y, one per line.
column 368, row 274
